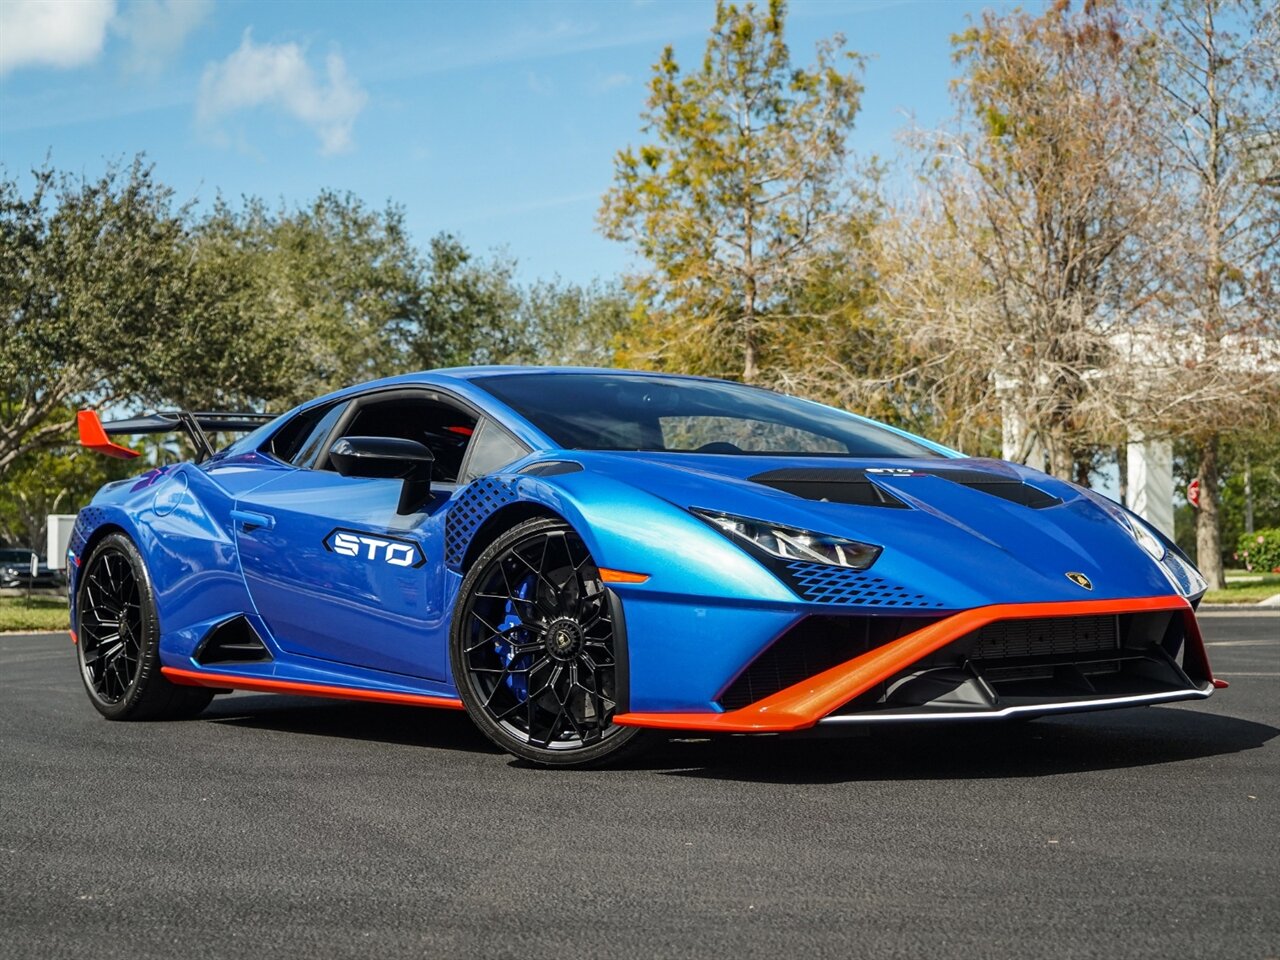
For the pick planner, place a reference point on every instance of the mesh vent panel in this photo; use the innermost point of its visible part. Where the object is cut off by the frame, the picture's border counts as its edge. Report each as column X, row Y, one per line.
column 822, row 583
column 473, row 506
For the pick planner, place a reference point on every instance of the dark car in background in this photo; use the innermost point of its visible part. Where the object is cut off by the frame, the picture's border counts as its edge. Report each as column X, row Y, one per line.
column 15, row 570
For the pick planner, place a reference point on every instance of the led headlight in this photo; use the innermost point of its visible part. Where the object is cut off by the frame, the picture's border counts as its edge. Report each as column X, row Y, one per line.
column 1146, row 539
column 789, row 543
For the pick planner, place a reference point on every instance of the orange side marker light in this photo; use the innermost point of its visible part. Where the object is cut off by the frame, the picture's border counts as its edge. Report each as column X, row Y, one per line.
column 621, row 576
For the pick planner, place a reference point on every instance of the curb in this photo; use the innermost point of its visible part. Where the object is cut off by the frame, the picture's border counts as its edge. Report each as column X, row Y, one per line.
column 1243, row 609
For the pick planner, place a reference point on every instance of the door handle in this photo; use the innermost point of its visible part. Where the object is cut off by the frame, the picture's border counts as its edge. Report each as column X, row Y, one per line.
column 249, row 521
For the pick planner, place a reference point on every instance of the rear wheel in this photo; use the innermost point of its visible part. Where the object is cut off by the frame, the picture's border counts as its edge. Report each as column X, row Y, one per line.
column 118, row 638
column 532, row 649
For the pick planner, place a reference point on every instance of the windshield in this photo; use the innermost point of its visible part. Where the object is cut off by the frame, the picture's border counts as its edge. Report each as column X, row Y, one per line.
column 602, row 411
column 15, row 556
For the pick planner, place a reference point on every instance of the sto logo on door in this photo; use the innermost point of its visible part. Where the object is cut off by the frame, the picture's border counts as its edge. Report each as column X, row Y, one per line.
column 365, row 546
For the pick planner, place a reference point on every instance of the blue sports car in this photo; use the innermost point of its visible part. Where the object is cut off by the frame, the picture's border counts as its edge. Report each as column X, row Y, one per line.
column 580, row 557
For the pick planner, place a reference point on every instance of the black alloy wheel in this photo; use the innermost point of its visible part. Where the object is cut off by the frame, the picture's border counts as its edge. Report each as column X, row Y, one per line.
column 118, row 634
column 533, row 649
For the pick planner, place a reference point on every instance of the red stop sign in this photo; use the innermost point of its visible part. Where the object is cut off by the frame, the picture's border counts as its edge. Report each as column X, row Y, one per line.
column 1193, row 492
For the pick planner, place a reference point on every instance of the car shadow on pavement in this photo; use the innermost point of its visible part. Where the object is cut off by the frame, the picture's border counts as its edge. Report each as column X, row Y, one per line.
column 406, row 726
column 1102, row 741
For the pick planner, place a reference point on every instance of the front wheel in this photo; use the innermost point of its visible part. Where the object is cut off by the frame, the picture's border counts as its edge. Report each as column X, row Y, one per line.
column 532, row 649
column 118, row 640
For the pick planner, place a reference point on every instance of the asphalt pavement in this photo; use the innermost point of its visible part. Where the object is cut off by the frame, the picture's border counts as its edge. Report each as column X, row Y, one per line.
column 283, row 827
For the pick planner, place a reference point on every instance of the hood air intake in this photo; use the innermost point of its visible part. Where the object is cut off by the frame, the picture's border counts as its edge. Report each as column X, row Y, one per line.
column 834, row 485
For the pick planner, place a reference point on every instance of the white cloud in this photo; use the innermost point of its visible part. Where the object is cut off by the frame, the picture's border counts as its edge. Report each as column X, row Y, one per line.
column 611, row 81
column 156, row 29
column 278, row 75
column 53, row 33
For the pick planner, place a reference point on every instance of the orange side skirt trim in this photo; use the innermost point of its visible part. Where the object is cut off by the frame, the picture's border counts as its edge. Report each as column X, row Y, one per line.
column 801, row 706
column 198, row 678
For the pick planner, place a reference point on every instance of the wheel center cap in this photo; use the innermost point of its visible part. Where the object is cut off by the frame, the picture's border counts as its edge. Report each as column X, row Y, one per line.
column 564, row 638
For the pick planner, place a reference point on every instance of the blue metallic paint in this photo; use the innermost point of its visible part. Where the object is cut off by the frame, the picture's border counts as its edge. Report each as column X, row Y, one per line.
column 706, row 610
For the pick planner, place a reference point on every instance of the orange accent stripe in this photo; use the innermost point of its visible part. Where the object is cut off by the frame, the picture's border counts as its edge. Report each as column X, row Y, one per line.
column 199, row 678
column 621, row 576
column 801, row 706
column 94, row 436
column 74, row 638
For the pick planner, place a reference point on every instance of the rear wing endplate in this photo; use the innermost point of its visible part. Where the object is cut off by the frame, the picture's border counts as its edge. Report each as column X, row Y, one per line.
column 96, row 435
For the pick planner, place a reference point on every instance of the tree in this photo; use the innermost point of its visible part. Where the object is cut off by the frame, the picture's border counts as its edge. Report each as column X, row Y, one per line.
column 1023, row 258
column 742, row 191
column 1219, row 80
column 91, row 279
column 54, row 479
column 464, row 311
column 289, row 303
column 571, row 324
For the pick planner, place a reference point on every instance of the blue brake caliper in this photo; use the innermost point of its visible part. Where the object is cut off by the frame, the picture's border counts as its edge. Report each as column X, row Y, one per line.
column 517, row 683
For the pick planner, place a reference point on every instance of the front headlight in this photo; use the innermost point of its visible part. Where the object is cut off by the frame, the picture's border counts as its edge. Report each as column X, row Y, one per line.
column 1146, row 539
column 789, row 543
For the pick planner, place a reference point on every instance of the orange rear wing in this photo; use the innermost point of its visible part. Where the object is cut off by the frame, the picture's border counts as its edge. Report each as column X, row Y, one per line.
column 96, row 435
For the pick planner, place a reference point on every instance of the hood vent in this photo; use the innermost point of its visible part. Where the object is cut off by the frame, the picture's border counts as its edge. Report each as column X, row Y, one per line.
column 833, row 485
column 830, row 485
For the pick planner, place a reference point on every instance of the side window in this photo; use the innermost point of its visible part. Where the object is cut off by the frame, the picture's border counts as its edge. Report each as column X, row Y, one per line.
column 492, row 448
column 440, row 426
column 313, row 445
column 303, row 431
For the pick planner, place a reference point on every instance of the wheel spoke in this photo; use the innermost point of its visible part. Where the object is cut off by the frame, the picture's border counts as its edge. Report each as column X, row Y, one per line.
column 111, row 624
column 538, row 643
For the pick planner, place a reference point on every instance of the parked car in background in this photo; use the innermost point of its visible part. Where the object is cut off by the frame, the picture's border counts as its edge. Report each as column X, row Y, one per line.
column 15, row 570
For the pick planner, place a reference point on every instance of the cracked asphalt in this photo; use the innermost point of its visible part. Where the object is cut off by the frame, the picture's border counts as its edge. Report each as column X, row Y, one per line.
column 284, row 827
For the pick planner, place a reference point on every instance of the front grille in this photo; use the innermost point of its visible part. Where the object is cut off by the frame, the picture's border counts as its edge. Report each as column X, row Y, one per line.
column 1046, row 637
column 813, row 645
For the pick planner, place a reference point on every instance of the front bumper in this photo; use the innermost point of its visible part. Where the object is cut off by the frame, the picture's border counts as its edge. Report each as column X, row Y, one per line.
column 937, row 672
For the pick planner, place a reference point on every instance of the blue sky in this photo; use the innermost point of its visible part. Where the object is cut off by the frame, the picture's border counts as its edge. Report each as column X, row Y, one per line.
column 497, row 121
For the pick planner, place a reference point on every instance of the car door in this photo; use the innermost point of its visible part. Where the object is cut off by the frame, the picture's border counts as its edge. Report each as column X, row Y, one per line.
column 333, row 570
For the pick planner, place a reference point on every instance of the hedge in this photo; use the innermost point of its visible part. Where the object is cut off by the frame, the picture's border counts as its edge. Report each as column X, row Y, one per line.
column 1260, row 550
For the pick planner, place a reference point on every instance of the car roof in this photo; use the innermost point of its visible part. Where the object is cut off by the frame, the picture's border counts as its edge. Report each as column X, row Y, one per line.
column 492, row 370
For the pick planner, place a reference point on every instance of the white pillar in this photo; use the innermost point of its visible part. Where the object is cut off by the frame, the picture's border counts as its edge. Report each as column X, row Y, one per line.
column 1150, row 493
column 1013, row 426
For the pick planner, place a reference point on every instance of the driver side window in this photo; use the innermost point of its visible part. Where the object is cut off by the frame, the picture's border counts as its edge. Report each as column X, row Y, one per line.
column 441, row 427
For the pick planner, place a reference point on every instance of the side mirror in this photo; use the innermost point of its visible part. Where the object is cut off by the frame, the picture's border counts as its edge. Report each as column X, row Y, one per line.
column 388, row 458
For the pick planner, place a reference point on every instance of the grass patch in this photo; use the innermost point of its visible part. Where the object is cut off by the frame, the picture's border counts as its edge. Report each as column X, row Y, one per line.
column 44, row 613
column 1247, row 592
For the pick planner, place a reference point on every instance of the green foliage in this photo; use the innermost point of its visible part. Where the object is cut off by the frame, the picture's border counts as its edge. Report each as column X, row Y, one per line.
column 1260, row 550
column 92, row 278
column 571, row 324
column 743, row 186
column 49, row 480
column 1250, row 459
column 464, row 310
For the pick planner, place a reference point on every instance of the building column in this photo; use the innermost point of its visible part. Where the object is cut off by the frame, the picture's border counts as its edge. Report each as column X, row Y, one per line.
column 1013, row 426
column 1150, row 493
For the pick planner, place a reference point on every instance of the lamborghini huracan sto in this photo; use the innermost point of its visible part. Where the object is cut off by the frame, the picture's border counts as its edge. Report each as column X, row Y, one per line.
column 577, row 558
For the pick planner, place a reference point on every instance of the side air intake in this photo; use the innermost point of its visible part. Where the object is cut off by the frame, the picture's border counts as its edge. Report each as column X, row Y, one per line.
column 232, row 641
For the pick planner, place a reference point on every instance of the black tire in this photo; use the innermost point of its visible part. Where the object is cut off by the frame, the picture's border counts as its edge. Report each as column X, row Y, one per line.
column 118, row 640
column 532, row 650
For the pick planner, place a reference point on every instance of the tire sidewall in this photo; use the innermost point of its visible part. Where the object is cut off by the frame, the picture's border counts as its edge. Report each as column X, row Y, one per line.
column 609, row 747
column 149, row 647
